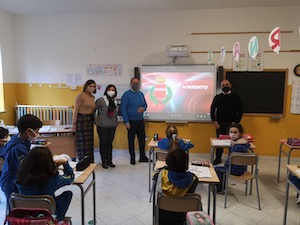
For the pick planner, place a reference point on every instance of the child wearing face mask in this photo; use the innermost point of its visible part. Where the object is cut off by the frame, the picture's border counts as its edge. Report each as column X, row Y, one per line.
column 106, row 121
column 172, row 141
column 4, row 138
column 15, row 151
column 238, row 144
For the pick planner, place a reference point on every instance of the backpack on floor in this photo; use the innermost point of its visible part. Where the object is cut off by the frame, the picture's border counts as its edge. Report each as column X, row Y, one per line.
column 198, row 218
column 29, row 216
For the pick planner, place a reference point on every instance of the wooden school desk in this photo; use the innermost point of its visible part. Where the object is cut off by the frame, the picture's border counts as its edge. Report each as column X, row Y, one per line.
column 152, row 146
column 222, row 143
column 289, row 148
column 62, row 138
column 211, row 184
column 291, row 169
column 82, row 179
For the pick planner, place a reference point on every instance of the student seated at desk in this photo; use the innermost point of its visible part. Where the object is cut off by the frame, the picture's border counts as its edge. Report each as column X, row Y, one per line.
column 175, row 180
column 172, row 141
column 238, row 144
column 4, row 138
column 296, row 181
column 16, row 149
column 38, row 175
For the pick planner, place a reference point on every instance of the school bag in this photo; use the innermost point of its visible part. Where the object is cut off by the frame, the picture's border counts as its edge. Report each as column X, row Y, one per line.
column 29, row 216
column 198, row 218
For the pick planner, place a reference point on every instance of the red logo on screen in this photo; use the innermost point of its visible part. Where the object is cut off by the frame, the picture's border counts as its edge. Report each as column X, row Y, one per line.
column 160, row 91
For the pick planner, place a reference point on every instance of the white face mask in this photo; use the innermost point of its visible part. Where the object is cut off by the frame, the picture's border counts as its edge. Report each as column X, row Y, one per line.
column 36, row 135
column 233, row 136
column 111, row 93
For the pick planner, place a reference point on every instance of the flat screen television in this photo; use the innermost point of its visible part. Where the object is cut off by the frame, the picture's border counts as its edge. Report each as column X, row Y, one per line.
column 178, row 93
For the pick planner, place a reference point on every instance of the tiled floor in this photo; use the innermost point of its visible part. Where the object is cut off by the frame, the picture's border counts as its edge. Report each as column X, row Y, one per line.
column 123, row 197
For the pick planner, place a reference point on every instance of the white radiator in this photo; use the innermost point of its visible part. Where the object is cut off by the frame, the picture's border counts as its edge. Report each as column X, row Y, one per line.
column 62, row 113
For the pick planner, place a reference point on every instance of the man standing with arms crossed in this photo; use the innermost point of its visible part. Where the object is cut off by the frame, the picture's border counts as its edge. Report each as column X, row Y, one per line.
column 225, row 109
column 133, row 105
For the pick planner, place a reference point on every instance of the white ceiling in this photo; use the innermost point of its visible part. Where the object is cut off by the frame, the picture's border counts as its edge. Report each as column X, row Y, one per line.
column 28, row 7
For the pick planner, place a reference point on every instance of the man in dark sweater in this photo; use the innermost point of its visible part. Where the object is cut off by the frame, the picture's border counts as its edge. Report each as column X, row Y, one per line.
column 225, row 109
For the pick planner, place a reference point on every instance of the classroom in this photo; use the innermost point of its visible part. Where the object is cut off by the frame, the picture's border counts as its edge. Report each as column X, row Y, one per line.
column 45, row 56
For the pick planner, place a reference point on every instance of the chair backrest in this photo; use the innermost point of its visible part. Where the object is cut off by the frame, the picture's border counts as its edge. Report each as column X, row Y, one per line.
column 32, row 201
column 243, row 159
column 190, row 202
column 161, row 155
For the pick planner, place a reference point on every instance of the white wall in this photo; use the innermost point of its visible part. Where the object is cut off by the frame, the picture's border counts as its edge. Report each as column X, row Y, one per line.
column 50, row 47
column 7, row 42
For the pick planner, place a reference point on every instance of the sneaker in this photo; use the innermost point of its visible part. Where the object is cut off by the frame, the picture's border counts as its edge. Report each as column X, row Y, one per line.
column 111, row 164
column 298, row 200
column 144, row 159
column 104, row 165
column 217, row 161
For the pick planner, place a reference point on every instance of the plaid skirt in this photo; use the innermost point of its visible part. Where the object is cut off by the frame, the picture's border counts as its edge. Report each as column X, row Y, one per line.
column 84, row 136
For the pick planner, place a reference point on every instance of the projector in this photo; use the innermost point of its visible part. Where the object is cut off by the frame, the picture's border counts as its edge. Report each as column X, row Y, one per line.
column 178, row 50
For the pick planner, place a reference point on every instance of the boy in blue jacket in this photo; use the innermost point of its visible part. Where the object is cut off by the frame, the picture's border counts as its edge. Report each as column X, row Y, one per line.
column 15, row 151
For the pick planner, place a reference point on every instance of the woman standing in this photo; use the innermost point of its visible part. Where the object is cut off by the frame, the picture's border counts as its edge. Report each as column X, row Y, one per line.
column 106, row 121
column 83, row 121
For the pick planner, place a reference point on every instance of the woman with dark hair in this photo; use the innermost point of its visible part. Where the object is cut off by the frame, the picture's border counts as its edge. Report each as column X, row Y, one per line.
column 38, row 175
column 106, row 121
column 83, row 121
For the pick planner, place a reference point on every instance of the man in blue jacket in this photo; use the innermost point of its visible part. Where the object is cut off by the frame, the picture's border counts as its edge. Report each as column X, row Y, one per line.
column 133, row 105
column 16, row 149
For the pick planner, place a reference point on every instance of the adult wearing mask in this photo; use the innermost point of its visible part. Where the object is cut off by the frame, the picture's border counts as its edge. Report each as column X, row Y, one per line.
column 83, row 121
column 225, row 109
column 133, row 105
column 106, row 121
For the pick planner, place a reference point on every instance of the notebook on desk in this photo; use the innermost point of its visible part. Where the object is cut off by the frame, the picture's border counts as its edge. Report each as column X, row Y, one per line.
column 223, row 142
column 200, row 171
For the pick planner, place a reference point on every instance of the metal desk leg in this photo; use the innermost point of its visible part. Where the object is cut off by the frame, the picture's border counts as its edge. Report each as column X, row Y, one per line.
column 286, row 202
column 94, row 196
column 279, row 162
column 151, row 153
column 212, row 188
column 208, row 199
column 212, row 154
column 83, row 193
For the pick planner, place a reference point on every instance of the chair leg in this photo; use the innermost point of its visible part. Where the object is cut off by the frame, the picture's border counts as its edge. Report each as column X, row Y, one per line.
column 258, row 197
column 225, row 176
column 246, row 188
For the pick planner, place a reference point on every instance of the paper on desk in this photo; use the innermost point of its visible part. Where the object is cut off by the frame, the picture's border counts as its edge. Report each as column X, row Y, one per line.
column 298, row 171
column 12, row 130
column 221, row 142
column 76, row 173
column 200, row 171
column 45, row 129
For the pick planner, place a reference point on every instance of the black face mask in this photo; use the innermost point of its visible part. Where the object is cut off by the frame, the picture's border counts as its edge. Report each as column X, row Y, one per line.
column 135, row 87
column 226, row 89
